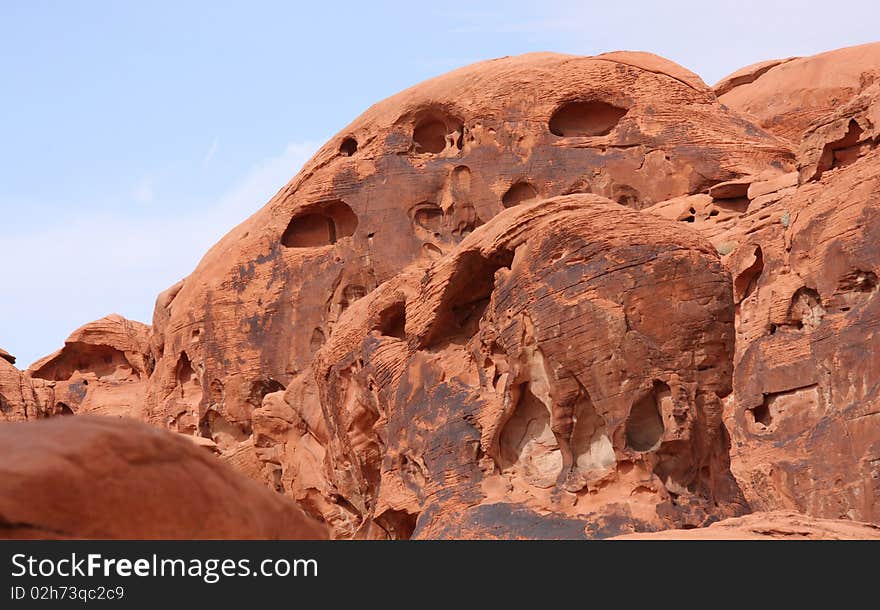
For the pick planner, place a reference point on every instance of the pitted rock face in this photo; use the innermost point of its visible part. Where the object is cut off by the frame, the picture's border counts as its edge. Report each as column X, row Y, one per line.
column 805, row 381
column 543, row 296
column 567, row 354
column 102, row 369
column 406, row 182
column 801, row 248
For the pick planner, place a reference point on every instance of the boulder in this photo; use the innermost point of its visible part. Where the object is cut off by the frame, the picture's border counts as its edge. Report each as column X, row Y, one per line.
column 112, row 478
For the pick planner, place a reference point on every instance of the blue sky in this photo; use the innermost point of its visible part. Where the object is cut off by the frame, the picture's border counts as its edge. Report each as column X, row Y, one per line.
column 133, row 135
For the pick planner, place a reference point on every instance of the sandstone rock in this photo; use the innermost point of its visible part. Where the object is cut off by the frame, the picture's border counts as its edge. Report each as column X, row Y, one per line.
column 805, row 279
column 406, row 182
column 747, row 75
column 102, row 369
column 4, row 355
column 20, row 398
column 780, row 525
column 801, row 417
column 731, row 189
column 538, row 297
column 564, row 366
column 786, row 98
column 93, row 477
column 842, row 137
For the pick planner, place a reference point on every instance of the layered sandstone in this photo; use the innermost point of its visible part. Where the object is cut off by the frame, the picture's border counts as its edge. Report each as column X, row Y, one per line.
column 403, row 185
column 786, row 96
column 530, row 372
column 802, row 250
column 102, row 369
column 779, row 525
column 543, row 296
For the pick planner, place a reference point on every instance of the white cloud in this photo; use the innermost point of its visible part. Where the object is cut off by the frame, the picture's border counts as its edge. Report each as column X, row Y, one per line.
column 63, row 275
column 210, row 154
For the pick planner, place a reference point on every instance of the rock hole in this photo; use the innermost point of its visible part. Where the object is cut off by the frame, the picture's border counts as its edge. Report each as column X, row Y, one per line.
column 593, row 118
column 761, row 414
column 398, row 524
column 466, row 295
column 626, row 195
column 520, row 192
column 591, row 448
column 428, row 216
column 431, row 252
column 321, row 224
column 644, row 426
column 259, row 388
column 216, row 391
column 348, row 147
column 317, row 340
column 392, row 321
column 528, row 447
column 226, row 434
column 62, row 409
column 805, row 312
column 835, row 154
column 746, row 282
column 187, row 381
column 434, row 134
column 350, row 294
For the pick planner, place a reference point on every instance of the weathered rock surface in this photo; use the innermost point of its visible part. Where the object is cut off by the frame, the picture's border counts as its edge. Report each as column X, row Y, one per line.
column 802, row 248
column 780, row 525
column 21, row 399
column 567, row 359
column 539, row 297
column 403, row 184
column 93, row 477
column 786, row 98
column 102, row 369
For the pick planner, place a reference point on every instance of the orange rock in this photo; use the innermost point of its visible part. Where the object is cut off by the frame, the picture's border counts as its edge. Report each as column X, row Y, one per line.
column 94, row 477
column 4, row 355
column 538, row 297
column 780, row 525
column 102, row 369
column 786, row 98
column 567, row 359
column 805, row 265
column 20, row 398
column 406, row 182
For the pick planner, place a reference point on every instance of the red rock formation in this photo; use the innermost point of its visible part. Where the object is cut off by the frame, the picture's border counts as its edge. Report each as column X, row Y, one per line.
column 90, row 477
column 405, row 183
column 802, row 248
column 102, row 369
column 780, row 525
column 542, row 296
column 568, row 356
column 786, row 97
column 20, row 398
column 4, row 355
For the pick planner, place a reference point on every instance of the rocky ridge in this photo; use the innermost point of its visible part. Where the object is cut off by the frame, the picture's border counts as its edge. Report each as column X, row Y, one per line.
column 543, row 296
